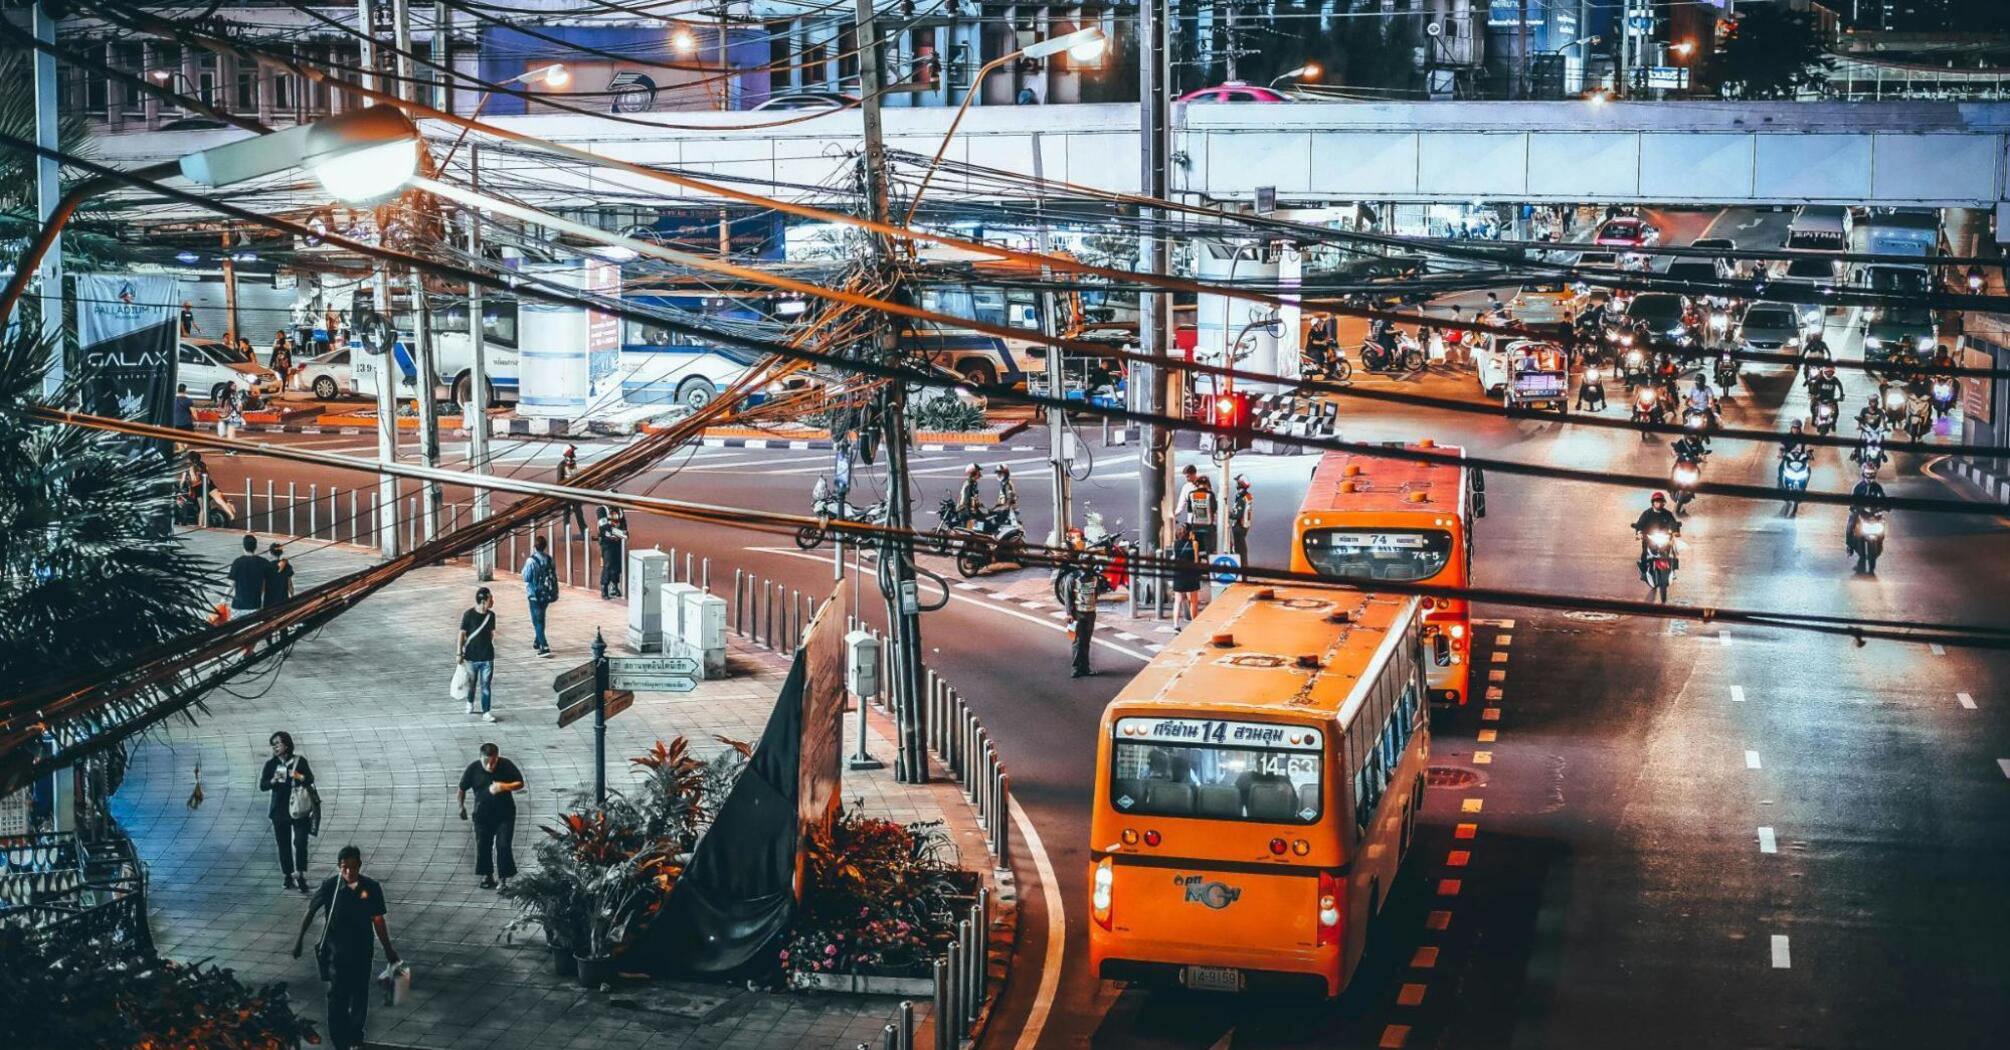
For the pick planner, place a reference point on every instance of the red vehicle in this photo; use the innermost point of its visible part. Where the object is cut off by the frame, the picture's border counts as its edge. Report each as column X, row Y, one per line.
column 1235, row 91
column 1626, row 232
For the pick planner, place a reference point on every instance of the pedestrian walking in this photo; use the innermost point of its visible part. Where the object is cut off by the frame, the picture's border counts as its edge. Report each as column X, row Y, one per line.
column 294, row 807
column 1186, row 575
column 248, row 576
column 229, row 415
column 611, row 529
column 1241, row 514
column 568, row 465
column 188, row 325
column 495, row 780
column 1083, row 590
column 354, row 903
column 184, row 408
column 1200, row 513
column 540, row 586
column 478, row 650
column 279, row 584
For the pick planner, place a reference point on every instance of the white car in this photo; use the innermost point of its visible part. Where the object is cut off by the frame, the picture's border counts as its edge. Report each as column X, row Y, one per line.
column 206, row 367
column 1490, row 364
column 327, row 376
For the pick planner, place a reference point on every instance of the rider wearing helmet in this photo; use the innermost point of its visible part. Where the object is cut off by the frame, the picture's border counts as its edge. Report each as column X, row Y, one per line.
column 1795, row 443
column 1868, row 495
column 1656, row 516
column 968, row 500
column 1824, row 386
column 1008, row 497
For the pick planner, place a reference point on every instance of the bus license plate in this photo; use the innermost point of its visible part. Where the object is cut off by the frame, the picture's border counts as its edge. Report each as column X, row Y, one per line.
column 1213, row 978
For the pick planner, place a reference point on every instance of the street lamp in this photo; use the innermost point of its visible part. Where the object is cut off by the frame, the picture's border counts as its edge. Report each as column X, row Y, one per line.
column 358, row 157
column 1082, row 45
column 1308, row 71
column 554, row 75
column 1685, row 48
column 684, row 42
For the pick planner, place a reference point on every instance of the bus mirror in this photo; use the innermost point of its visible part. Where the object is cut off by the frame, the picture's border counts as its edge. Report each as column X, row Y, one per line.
column 1479, row 504
column 1441, row 649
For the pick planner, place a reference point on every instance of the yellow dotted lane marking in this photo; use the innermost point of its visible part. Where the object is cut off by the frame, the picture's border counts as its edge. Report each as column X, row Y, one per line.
column 1494, row 692
column 1488, row 736
column 1410, row 995
column 1472, row 805
column 1426, row 958
column 1465, row 831
column 1449, row 887
column 1458, row 858
column 1393, row 1036
column 1503, row 640
column 1483, row 758
column 1500, row 657
column 1438, row 920
column 1497, row 675
column 1491, row 714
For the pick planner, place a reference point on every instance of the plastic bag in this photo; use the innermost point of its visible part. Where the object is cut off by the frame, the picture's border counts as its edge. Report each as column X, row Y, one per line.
column 464, row 681
column 396, row 981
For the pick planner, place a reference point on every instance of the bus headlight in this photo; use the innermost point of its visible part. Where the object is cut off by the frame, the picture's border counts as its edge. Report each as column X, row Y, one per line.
column 1099, row 897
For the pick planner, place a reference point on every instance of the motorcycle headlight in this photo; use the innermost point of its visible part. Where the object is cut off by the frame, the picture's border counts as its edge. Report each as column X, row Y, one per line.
column 1925, row 342
column 1685, row 476
column 1633, row 359
column 1894, row 400
column 1873, row 528
column 1943, row 389
column 1657, row 539
column 1646, row 396
column 1871, row 342
column 1625, row 340
column 1591, row 375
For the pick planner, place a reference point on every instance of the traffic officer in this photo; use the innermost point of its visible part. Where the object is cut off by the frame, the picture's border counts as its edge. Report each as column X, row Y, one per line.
column 1241, row 515
column 1083, row 590
column 568, row 465
column 968, row 500
column 1008, row 497
column 1200, row 507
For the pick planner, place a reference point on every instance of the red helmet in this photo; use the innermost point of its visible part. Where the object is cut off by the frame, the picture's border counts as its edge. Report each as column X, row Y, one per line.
column 1659, row 497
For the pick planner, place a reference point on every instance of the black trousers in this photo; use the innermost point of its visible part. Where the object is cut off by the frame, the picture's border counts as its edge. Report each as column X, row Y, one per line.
column 349, row 999
column 1238, row 540
column 284, row 828
column 494, row 840
column 574, row 514
column 610, row 574
column 1085, row 629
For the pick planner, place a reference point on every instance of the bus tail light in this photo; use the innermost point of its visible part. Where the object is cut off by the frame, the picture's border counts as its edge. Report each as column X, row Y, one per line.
column 1151, row 838
column 1277, row 846
column 1099, row 896
column 1329, row 909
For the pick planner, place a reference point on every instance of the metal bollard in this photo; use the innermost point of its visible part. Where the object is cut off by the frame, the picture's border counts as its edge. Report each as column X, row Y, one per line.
column 271, row 508
column 290, row 498
column 355, row 519
column 411, row 523
column 768, row 620
column 705, row 575
column 889, row 1037
column 981, row 974
column 951, row 1019
column 688, row 578
column 906, row 1024
column 314, row 511
column 247, row 504
column 943, row 1033
column 739, row 603
column 973, row 971
column 670, row 568
column 512, row 548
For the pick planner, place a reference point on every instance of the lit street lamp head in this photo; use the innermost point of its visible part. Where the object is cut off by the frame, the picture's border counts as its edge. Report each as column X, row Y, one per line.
column 358, row 157
column 1083, row 45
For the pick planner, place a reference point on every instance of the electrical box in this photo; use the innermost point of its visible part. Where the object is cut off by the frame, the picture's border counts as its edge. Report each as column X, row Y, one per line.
column 704, row 628
column 861, row 664
column 672, row 603
column 910, row 602
column 647, row 569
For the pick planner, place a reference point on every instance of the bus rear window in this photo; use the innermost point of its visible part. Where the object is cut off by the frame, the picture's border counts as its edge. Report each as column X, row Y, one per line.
column 1212, row 769
column 1401, row 555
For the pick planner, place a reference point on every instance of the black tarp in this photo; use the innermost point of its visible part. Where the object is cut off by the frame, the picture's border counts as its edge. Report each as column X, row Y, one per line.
column 738, row 896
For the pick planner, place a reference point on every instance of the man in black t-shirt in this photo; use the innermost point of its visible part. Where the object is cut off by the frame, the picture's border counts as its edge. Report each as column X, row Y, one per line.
column 248, row 575
column 494, row 780
column 355, row 906
column 478, row 649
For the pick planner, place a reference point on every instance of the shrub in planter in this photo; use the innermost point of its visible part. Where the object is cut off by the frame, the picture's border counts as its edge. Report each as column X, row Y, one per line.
column 946, row 412
column 878, row 898
column 88, row 993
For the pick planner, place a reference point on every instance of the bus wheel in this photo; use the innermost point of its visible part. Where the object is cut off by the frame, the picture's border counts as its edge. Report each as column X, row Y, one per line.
column 464, row 392
column 977, row 370
column 695, row 393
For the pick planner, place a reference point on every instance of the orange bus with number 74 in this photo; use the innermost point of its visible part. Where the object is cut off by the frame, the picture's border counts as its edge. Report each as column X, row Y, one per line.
column 1256, row 789
column 1367, row 518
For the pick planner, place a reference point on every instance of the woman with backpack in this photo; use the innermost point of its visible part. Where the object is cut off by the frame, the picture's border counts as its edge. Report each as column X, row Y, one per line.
column 295, row 807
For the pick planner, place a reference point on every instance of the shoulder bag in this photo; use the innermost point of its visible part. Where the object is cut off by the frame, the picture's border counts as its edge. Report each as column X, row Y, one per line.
column 300, row 797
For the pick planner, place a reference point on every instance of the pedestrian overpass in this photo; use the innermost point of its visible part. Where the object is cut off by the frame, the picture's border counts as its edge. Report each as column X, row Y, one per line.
column 1906, row 153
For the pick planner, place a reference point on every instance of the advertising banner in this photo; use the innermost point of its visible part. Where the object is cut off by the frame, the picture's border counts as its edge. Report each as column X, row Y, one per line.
column 128, row 338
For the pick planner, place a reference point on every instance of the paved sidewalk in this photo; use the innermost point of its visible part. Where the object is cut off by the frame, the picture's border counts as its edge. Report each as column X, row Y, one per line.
column 366, row 702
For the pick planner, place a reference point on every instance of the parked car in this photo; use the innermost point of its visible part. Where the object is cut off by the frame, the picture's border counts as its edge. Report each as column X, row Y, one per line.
column 1235, row 91
column 807, row 100
column 327, row 376
column 204, row 365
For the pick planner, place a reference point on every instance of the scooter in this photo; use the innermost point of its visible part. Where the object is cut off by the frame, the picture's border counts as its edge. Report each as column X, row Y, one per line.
column 1102, row 551
column 1647, row 409
column 1943, row 397
column 1867, row 539
column 1683, row 480
column 1591, row 390
column 1633, row 367
column 1406, row 357
column 1658, row 559
column 1918, row 418
column 1795, row 470
column 829, row 508
column 1726, row 373
column 1698, row 422
column 993, row 537
column 1824, row 417
column 1327, row 363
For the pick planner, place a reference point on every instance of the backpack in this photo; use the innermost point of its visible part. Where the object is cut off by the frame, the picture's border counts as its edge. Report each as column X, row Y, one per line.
column 544, row 581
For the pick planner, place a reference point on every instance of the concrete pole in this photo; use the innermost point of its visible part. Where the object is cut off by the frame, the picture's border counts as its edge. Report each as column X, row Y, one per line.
column 48, row 191
column 1057, row 376
column 230, row 302
column 387, row 364
column 1625, row 48
column 443, row 55
column 475, row 414
column 427, row 378
column 1151, row 381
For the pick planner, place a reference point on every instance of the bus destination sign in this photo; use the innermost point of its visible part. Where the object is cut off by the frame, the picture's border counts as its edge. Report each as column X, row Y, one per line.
column 1217, row 732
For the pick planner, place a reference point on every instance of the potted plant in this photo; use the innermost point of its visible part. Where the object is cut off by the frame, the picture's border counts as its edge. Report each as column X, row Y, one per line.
column 551, row 897
column 620, row 897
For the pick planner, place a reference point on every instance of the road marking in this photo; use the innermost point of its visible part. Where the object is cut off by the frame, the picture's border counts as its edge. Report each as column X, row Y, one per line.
column 1472, row 805
column 1494, row 692
column 1410, row 995
column 1965, row 700
column 1767, row 844
column 1057, row 932
column 1458, row 858
column 1503, row 640
column 1438, row 920
column 1393, row 1036
column 2004, row 764
column 1465, row 831
column 1751, row 760
column 1500, row 657
column 1481, row 758
column 1488, row 736
column 1737, row 694
column 1782, row 958
column 1936, row 649
column 1491, row 714
column 1425, row 958
column 1723, row 638
column 1506, row 625
column 1448, row 887
column 1497, row 676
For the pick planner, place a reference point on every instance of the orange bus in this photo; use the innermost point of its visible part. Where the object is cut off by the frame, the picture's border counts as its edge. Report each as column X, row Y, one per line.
column 1370, row 518
column 1256, row 788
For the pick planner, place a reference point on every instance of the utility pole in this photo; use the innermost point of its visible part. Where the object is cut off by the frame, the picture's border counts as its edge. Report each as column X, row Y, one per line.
column 903, row 611
column 1521, row 50
column 475, row 416
column 387, row 383
column 1228, row 39
column 1057, row 371
column 1152, row 379
column 230, row 302
column 443, row 55
column 1625, row 47
column 49, row 190
column 427, row 377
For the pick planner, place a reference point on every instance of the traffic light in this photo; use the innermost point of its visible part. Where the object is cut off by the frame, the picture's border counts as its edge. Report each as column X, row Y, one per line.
column 1230, row 412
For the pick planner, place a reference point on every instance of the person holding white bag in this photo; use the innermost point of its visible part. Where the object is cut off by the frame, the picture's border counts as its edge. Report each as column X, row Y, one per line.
column 295, row 808
column 478, row 654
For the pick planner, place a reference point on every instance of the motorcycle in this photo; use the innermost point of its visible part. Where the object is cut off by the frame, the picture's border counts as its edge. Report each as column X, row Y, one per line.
column 1647, row 409
column 1591, row 392
column 1727, row 373
column 1683, row 480
column 1824, row 417
column 1943, row 397
column 1867, row 539
column 1327, row 363
column 1658, row 559
column 987, row 538
column 1633, row 368
column 1870, row 450
column 1405, row 357
column 1918, row 418
column 1795, row 470
column 829, row 508
column 1698, row 422
column 1101, row 552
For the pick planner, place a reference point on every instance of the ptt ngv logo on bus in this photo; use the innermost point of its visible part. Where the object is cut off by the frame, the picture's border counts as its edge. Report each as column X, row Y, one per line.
column 1216, row 895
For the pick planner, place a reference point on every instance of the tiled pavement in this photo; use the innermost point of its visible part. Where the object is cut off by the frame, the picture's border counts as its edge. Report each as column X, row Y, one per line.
column 366, row 702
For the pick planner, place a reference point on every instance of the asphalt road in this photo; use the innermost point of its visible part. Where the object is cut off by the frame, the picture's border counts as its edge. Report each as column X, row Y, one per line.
column 1682, row 837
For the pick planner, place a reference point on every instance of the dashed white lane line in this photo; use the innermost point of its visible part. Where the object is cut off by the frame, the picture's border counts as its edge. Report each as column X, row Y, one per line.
column 1936, row 648
column 1737, row 694
column 1782, row 958
column 1767, row 843
column 1751, row 760
column 2004, row 765
column 1723, row 638
column 1965, row 700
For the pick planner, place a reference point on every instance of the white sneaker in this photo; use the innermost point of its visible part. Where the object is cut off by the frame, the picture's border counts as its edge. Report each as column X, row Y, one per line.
column 488, row 716
column 471, row 707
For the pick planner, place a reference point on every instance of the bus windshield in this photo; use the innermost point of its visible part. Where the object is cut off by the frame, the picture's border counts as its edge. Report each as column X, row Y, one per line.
column 1402, row 555
column 1214, row 769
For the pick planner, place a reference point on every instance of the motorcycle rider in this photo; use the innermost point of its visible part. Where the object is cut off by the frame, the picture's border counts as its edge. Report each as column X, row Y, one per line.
column 1656, row 516
column 1868, row 495
column 1690, row 447
column 1591, row 389
column 1824, row 386
column 1815, row 354
column 969, row 502
column 1380, row 349
column 1795, row 444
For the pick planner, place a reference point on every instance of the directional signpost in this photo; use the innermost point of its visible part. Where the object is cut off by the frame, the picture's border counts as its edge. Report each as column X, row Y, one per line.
column 605, row 688
column 653, row 674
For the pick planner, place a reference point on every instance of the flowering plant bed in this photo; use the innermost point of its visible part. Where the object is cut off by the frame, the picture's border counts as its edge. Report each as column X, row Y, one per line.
column 879, row 899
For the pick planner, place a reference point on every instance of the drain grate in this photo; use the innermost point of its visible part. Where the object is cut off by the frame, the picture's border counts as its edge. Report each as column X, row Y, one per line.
column 1450, row 777
column 1589, row 616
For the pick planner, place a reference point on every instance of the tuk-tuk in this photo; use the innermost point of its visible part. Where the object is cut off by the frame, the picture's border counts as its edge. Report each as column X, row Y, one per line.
column 1538, row 376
